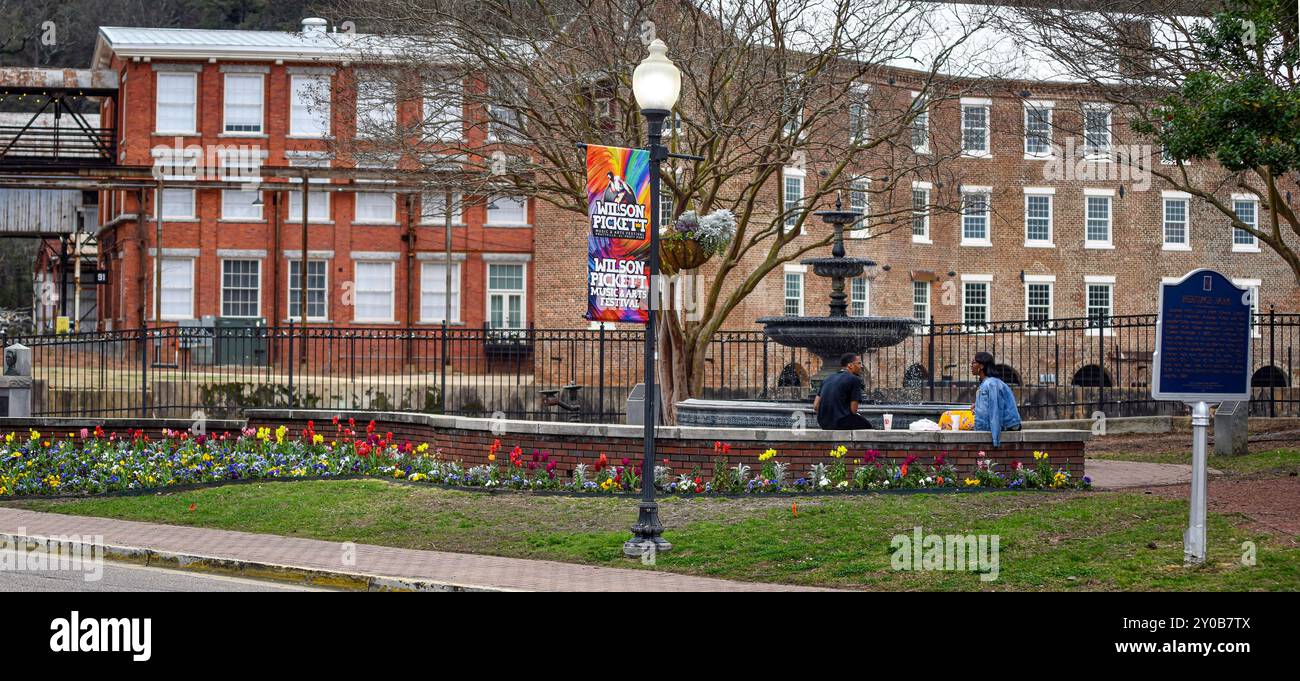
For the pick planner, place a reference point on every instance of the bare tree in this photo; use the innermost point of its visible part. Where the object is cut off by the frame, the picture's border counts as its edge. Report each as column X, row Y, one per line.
column 822, row 84
column 1204, row 84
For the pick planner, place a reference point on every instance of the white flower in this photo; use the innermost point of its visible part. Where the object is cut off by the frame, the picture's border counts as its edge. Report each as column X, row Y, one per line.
column 824, row 482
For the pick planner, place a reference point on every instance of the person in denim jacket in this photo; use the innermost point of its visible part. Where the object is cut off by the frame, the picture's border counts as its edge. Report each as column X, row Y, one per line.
column 995, row 404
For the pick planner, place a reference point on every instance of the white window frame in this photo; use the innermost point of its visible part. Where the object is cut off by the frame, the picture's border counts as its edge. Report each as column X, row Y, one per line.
column 226, row 104
column 441, row 279
column 1048, row 107
column 924, row 119
column 505, row 308
column 1104, row 154
column 1050, row 194
column 222, row 286
column 1252, row 247
column 858, row 93
column 1186, row 199
column 226, row 205
column 309, row 118
column 162, row 308
column 189, row 215
column 294, row 285
column 490, row 222
column 1108, row 281
column 922, row 324
column 865, row 300
column 357, row 291
column 440, row 220
column 791, row 127
column 924, row 237
column 1048, row 280
column 987, row 240
column 987, row 105
column 799, row 272
column 1253, row 285
column 1109, row 195
column 373, row 86
column 987, row 281
column 860, row 187
column 446, row 121
column 792, row 213
column 295, row 194
column 389, row 218
column 159, row 103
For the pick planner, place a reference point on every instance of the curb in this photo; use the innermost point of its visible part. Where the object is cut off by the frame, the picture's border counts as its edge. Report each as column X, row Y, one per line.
column 232, row 567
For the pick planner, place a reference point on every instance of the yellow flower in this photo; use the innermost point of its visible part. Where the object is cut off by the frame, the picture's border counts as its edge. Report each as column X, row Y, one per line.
column 839, row 452
column 206, row 457
column 317, row 439
column 9, row 438
column 767, row 455
column 972, row 482
column 399, row 473
column 424, row 447
column 279, row 434
column 1059, row 479
column 416, row 477
column 34, row 435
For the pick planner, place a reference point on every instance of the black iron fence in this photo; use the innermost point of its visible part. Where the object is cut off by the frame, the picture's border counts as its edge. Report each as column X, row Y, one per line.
column 1060, row 368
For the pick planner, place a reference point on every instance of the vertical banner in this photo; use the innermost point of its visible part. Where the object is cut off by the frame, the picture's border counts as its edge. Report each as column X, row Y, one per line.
column 618, row 206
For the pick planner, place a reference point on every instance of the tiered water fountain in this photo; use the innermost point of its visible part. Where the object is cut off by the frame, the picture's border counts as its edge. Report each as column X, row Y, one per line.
column 827, row 337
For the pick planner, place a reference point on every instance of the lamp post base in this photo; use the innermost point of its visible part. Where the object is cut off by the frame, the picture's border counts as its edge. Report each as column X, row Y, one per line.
column 647, row 539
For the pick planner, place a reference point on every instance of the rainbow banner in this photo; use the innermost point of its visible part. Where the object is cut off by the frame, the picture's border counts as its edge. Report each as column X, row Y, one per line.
column 618, row 205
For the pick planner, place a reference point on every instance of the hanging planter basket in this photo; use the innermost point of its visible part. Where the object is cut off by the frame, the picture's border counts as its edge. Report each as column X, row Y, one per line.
column 676, row 255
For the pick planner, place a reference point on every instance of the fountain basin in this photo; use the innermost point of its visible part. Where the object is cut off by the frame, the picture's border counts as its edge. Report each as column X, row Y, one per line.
column 792, row 414
column 830, row 337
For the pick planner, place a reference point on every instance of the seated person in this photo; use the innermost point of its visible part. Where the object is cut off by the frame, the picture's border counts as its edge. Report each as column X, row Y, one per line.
column 995, row 404
column 837, row 401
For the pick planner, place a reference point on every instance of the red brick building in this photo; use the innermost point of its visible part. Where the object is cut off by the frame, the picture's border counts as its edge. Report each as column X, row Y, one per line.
column 375, row 258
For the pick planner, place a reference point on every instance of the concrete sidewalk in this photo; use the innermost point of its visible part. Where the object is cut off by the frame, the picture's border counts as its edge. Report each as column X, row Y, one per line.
column 355, row 566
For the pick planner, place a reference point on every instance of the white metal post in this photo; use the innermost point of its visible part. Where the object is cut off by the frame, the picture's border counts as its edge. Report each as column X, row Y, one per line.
column 1194, row 537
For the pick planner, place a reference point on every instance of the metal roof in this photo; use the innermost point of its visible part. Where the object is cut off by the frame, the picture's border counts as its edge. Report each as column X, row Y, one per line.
column 194, row 43
column 38, row 211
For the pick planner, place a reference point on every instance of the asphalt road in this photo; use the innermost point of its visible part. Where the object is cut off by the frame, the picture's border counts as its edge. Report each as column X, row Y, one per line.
column 127, row 577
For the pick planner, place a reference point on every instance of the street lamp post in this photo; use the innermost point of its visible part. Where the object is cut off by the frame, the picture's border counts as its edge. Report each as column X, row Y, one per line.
column 656, row 84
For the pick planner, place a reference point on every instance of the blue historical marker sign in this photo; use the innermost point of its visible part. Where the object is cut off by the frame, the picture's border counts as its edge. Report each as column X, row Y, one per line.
column 1202, row 340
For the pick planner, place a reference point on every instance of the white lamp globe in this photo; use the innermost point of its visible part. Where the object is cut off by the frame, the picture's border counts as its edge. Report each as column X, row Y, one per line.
column 656, row 82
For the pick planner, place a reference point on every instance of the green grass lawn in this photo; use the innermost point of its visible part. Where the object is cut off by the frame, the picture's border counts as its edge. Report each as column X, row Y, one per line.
column 1047, row 540
column 1280, row 460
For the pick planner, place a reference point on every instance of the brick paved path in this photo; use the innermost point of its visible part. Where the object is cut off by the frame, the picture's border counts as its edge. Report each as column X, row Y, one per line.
column 1109, row 474
column 464, row 570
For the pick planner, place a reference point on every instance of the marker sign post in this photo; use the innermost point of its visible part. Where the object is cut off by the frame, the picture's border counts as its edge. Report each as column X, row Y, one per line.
column 1202, row 356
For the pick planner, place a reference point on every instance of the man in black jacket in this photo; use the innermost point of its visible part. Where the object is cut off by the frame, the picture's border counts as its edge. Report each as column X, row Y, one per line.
column 836, row 404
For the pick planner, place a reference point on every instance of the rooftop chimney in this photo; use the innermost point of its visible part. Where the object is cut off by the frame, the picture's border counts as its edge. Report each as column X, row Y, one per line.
column 314, row 25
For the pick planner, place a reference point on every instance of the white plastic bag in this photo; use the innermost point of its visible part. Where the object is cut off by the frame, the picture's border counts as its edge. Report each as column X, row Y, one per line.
column 923, row 424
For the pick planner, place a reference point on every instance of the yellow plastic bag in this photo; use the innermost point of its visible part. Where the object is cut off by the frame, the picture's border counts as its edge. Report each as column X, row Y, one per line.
column 957, row 419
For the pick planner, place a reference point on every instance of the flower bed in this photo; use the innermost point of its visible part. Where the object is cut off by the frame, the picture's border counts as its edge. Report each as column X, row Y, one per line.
column 95, row 462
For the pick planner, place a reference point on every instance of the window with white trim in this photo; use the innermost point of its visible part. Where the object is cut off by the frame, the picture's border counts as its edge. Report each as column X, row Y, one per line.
column 975, row 217
column 177, row 204
column 793, row 293
column 243, row 103
column 1253, row 286
column 506, row 296
column 433, row 292
column 792, row 106
column 859, row 297
column 1038, row 129
column 921, row 302
column 1038, row 219
column 975, row 129
column 1175, row 223
column 376, row 207
column 1038, row 304
column 667, row 207
column 1247, row 211
column 318, row 201
column 373, row 299
column 859, row 200
column 791, row 197
column 317, row 288
column 376, row 107
column 241, row 290
column 1096, row 131
column 433, row 209
column 443, row 108
column 975, row 305
column 309, row 107
column 177, row 288
column 241, row 204
column 920, row 213
column 175, row 100
column 1097, row 230
column 1100, row 297
column 858, row 114
column 505, row 117
column 507, row 211
column 920, row 129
